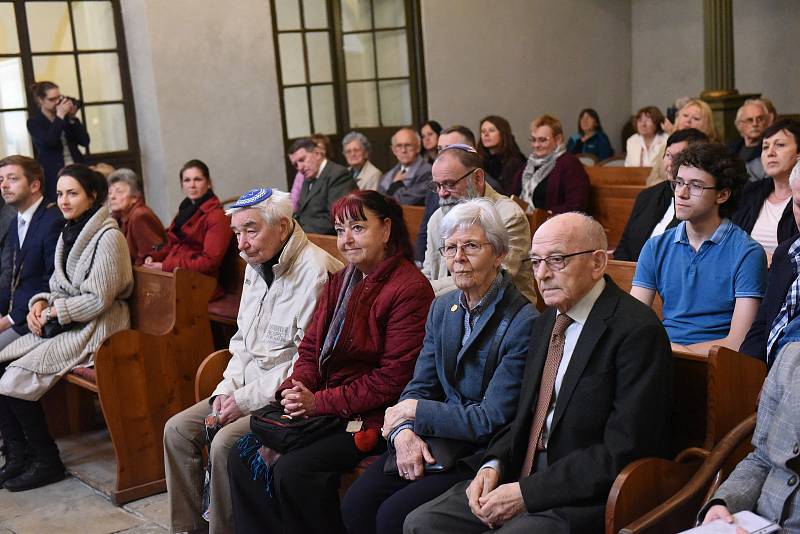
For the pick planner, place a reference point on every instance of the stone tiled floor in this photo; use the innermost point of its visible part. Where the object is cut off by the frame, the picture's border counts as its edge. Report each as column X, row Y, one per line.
column 71, row 506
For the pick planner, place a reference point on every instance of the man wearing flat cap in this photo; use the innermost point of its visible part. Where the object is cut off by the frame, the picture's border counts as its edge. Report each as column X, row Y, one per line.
column 283, row 277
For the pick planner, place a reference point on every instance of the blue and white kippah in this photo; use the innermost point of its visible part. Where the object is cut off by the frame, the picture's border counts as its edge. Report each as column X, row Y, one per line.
column 252, row 197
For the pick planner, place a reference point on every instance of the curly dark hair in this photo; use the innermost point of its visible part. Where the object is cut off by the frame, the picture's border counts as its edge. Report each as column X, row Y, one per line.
column 728, row 170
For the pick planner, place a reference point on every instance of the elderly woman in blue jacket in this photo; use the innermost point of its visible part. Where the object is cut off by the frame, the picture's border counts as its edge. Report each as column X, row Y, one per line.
column 467, row 378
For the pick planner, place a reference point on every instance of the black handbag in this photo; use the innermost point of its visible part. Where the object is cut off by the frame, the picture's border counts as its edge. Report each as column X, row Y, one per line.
column 52, row 328
column 282, row 433
column 447, row 452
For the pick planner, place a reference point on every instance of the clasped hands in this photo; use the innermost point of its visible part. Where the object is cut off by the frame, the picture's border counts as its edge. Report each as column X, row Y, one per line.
column 226, row 409
column 36, row 318
column 494, row 505
column 298, row 400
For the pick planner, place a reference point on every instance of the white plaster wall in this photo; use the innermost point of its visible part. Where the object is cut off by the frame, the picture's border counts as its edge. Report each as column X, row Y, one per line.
column 667, row 40
column 205, row 86
column 667, row 46
column 522, row 58
column 765, row 48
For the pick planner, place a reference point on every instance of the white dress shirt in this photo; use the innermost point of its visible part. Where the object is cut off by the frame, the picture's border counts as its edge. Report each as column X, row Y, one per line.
column 26, row 216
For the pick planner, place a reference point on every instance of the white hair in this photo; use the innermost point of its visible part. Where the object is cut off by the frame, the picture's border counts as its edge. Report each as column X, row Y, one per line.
column 274, row 209
column 478, row 212
column 794, row 175
column 751, row 102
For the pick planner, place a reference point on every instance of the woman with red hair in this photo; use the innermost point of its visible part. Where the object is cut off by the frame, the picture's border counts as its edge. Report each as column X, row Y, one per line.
column 354, row 361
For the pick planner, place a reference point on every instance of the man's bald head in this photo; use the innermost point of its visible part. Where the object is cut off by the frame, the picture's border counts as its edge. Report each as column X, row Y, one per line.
column 583, row 241
column 405, row 145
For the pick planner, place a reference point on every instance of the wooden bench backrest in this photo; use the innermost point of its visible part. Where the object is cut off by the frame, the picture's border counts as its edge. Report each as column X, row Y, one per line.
column 328, row 244
column 603, row 175
column 622, row 273
column 152, row 304
column 412, row 215
column 712, row 394
column 231, row 272
column 611, row 205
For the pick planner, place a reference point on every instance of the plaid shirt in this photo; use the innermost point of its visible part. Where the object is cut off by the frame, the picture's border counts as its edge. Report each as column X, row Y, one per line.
column 790, row 305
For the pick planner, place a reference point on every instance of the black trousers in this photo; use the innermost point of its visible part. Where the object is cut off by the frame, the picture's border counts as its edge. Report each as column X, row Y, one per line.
column 305, row 489
column 23, row 421
column 378, row 503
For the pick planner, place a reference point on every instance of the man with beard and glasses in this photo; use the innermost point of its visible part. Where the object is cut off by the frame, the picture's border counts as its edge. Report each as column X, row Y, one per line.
column 458, row 175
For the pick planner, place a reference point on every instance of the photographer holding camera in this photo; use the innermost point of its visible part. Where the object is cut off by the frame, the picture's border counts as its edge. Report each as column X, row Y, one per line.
column 56, row 132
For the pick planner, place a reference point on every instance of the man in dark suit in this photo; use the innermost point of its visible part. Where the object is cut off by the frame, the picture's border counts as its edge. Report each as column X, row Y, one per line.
column 29, row 248
column 595, row 397
column 324, row 183
column 653, row 211
column 781, row 302
column 409, row 180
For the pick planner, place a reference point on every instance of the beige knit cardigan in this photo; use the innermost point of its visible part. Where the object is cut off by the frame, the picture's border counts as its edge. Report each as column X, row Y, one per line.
column 93, row 297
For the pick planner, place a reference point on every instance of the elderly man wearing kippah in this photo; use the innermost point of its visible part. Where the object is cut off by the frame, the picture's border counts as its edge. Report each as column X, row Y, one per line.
column 284, row 275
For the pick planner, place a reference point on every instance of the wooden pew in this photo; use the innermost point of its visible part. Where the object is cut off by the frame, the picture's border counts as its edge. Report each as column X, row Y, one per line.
column 328, row 244
column 603, row 175
column 681, row 496
column 711, row 395
column 412, row 215
column 144, row 375
column 622, row 273
column 611, row 205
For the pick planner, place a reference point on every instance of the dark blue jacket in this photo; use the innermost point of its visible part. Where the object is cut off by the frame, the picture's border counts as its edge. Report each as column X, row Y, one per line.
column 46, row 137
column 598, row 144
column 31, row 266
column 448, row 376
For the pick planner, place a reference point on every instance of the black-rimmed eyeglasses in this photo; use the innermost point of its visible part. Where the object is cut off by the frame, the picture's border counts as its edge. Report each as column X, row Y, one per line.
column 556, row 262
column 448, row 186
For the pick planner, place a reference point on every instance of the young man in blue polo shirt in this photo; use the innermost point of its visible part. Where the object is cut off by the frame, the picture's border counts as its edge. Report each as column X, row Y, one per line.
column 709, row 273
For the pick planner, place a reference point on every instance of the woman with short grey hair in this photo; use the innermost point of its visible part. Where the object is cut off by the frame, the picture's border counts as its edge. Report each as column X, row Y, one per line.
column 466, row 381
column 143, row 230
column 481, row 213
column 356, row 149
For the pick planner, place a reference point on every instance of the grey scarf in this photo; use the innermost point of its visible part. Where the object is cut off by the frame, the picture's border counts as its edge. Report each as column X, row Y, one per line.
column 536, row 171
column 352, row 276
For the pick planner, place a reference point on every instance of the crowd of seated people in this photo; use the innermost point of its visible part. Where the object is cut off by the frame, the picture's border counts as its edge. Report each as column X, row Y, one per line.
column 479, row 412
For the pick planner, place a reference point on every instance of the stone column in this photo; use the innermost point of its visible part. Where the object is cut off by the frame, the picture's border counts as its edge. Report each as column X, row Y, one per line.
column 720, row 79
column 718, row 48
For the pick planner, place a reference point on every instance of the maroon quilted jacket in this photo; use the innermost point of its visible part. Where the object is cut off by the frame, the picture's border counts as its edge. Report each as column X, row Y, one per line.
column 381, row 338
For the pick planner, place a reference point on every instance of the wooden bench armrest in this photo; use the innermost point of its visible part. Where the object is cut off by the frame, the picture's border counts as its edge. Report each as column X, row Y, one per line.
column 210, row 373
column 643, row 485
column 678, row 512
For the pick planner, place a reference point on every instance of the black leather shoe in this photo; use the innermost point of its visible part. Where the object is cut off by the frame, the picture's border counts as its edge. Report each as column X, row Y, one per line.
column 15, row 462
column 37, row 474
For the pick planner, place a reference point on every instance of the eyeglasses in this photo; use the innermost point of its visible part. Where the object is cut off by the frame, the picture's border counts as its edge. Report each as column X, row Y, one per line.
column 404, row 147
column 448, row 186
column 556, row 262
column 696, row 189
column 470, row 248
column 460, row 146
column 754, row 120
column 539, row 140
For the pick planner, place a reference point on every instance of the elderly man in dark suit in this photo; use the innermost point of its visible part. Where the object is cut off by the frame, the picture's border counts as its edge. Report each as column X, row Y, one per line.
column 324, row 183
column 30, row 245
column 408, row 181
column 595, row 396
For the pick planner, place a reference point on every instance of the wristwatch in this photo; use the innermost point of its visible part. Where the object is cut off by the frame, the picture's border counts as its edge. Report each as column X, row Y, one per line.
column 47, row 314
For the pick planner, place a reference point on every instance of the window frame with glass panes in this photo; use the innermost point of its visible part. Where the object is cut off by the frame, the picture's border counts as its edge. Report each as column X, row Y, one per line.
column 80, row 46
column 346, row 65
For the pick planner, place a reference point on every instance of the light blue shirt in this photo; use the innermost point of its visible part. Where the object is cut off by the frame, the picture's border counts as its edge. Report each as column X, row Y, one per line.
column 699, row 289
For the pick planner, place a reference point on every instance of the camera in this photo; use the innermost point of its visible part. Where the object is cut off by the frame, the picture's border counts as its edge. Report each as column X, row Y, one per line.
column 75, row 102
